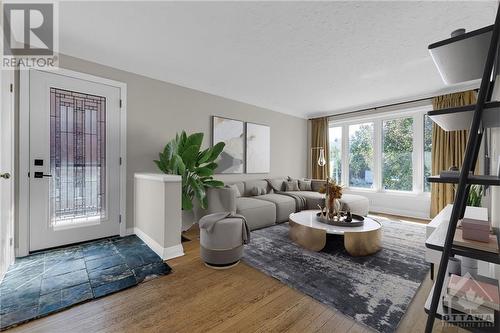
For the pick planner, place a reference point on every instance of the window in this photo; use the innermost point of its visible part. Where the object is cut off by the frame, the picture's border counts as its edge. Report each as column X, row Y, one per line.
column 383, row 151
column 361, row 155
column 427, row 151
column 335, row 137
column 397, row 136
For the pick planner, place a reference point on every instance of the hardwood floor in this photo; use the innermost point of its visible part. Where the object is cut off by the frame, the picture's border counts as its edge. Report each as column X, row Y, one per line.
column 195, row 298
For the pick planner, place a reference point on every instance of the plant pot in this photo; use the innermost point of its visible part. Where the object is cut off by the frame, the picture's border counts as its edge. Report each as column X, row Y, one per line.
column 188, row 219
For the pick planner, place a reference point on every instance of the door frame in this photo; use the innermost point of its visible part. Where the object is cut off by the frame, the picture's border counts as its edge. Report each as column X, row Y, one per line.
column 8, row 76
column 24, row 159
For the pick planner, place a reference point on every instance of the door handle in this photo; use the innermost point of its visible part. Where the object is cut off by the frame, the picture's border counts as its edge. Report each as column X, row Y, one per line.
column 5, row 175
column 39, row 174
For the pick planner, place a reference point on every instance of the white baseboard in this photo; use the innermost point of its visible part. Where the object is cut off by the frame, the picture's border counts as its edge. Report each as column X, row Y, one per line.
column 164, row 252
column 399, row 212
column 129, row 231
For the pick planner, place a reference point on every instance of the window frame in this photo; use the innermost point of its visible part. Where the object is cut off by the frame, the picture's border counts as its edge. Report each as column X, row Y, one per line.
column 422, row 175
column 417, row 113
column 342, row 170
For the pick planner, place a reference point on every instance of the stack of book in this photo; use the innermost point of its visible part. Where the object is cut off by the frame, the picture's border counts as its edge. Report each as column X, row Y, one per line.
column 470, row 296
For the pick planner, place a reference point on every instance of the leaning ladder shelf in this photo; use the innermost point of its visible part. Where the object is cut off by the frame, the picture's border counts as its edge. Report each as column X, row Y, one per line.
column 436, row 242
column 479, row 117
column 460, row 118
column 445, row 313
column 472, row 179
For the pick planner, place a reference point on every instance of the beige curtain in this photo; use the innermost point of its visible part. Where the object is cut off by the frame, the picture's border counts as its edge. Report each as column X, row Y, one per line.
column 448, row 149
column 319, row 139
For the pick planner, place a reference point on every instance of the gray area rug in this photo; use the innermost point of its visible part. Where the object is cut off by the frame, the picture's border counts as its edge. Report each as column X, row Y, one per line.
column 374, row 290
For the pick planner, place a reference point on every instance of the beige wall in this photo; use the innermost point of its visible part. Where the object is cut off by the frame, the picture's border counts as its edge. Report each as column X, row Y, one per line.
column 156, row 110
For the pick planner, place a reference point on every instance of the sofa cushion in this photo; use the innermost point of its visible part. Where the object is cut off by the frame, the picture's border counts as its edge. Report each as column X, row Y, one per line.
column 258, row 213
column 305, row 185
column 220, row 200
column 239, row 185
column 277, row 184
column 285, row 205
column 313, row 199
column 357, row 204
column 259, row 183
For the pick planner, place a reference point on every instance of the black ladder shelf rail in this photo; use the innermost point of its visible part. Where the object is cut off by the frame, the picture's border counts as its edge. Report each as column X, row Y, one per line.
column 471, row 155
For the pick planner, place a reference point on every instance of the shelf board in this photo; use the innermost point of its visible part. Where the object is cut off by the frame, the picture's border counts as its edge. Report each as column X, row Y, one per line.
column 466, row 35
column 473, row 179
column 462, row 58
column 436, row 242
column 460, row 118
column 443, row 313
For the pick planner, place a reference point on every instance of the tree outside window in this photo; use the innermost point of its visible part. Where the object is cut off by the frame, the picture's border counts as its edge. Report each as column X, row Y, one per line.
column 397, row 153
column 361, row 155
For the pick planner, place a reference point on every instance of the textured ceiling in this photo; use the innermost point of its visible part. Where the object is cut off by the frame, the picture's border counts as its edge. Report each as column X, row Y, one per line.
column 299, row 58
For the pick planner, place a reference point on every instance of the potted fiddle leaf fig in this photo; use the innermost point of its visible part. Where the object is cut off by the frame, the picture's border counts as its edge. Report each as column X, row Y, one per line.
column 183, row 156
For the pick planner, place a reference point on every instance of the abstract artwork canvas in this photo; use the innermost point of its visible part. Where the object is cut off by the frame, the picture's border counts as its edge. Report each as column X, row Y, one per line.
column 258, row 159
column 232, row 133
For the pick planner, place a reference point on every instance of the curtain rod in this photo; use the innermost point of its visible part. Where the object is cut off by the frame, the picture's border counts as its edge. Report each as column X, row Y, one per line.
column 379, row 107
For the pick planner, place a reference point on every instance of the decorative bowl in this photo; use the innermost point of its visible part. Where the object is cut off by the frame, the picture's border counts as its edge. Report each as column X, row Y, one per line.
column 357, row 220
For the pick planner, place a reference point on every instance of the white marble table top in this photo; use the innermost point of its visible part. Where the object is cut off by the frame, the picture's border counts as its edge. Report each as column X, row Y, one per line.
column 308, row 218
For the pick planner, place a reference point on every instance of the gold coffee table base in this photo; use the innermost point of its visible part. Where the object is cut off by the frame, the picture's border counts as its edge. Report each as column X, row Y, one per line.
column 309, row 238
column 357, row 244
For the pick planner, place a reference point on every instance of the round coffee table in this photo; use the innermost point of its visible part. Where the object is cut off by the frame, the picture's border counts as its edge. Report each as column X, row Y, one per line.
column 308, row 232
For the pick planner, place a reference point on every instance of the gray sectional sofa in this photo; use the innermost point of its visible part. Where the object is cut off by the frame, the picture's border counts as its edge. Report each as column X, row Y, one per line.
column 266, row 202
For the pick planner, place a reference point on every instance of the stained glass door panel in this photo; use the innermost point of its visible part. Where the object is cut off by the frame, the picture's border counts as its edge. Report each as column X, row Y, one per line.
column 77, row 157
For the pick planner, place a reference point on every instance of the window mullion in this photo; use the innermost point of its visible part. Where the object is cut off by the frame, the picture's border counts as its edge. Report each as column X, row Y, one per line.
column 345, row 155
column 377, row 158
column 418, row 153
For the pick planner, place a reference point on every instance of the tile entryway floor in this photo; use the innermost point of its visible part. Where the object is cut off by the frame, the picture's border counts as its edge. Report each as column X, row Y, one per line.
column 50, row 281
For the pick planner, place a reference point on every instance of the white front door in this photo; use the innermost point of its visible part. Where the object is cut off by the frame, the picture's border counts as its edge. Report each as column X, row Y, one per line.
column 74, row 172
column 6, row 170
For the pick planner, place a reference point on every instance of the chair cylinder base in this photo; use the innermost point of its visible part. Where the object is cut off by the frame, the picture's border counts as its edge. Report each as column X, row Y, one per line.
column 221, row 259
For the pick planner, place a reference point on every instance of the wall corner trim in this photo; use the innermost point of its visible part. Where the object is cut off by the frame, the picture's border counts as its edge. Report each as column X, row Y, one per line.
column 165, row 253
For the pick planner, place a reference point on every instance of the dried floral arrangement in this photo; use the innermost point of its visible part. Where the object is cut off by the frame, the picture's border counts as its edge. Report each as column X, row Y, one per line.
column 333, row 193
column 331, row 189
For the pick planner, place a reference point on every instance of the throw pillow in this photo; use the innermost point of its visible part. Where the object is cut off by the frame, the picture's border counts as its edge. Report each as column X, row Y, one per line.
column 277, row 184
column 317, row 184
column 292, row 185
column 305, row 185
column 235, row 189
column 256, row 190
